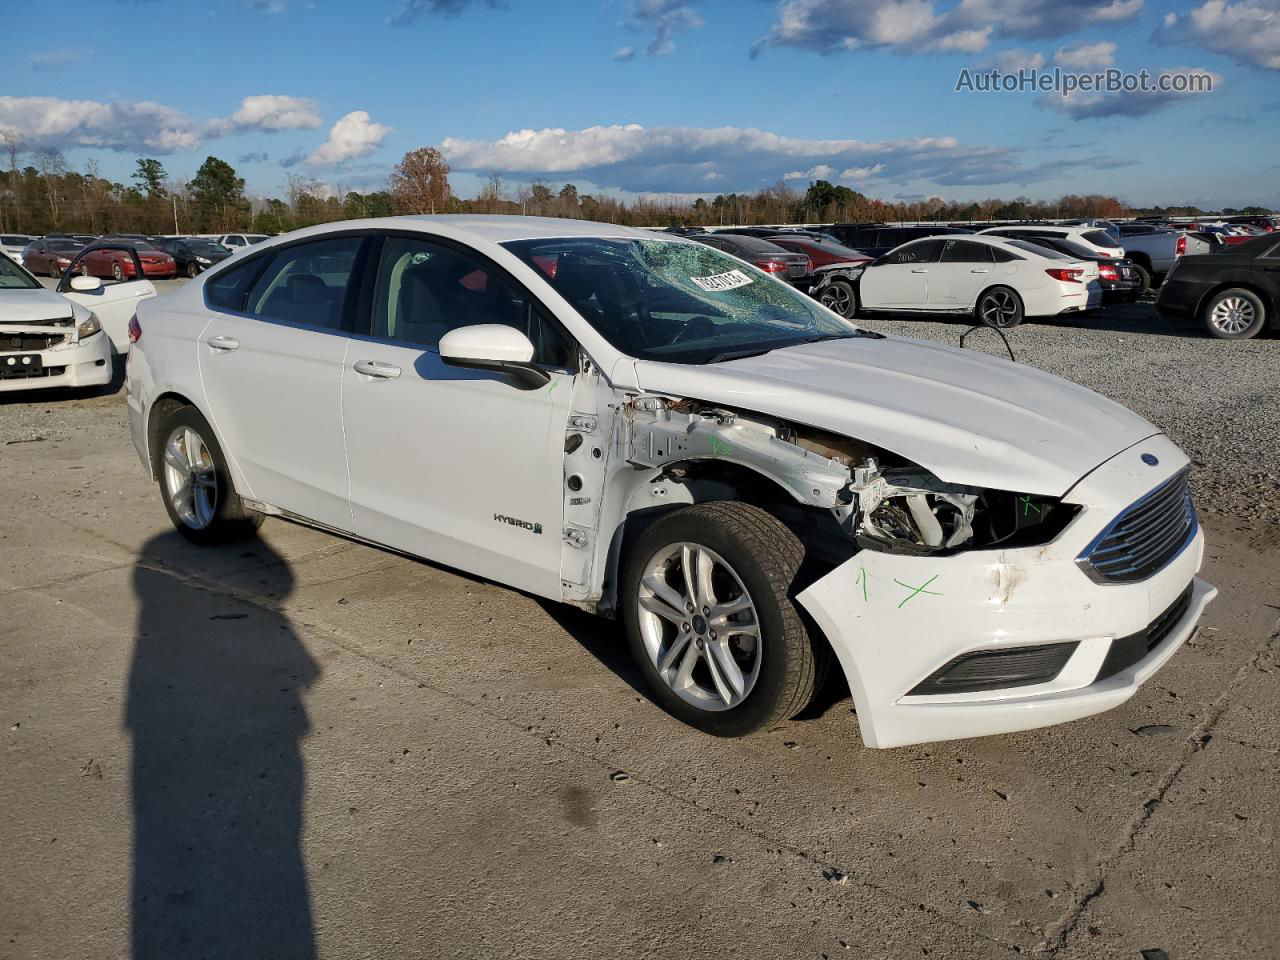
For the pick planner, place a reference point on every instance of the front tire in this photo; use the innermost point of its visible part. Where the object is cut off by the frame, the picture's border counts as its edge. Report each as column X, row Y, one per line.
column 706, row 601
column 193, row 270
column 1234, row 314
column 195, row 483
column 839, row 297
column 999, row 307
column 117, row 271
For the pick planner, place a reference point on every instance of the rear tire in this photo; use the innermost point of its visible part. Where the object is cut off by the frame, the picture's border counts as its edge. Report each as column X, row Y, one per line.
column 733, row 672
column 195, row 483
column 1234, row 314
column 999, row 307
column 1144, row 277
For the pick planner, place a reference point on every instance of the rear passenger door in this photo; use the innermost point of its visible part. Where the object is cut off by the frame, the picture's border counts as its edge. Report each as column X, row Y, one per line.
column 271, row 361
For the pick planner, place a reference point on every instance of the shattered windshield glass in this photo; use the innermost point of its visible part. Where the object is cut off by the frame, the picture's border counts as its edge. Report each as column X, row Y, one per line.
column 677, row 302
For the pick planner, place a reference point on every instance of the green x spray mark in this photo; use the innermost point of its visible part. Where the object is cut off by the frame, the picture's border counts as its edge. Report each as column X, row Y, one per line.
column 1028, row 506
column 916, row 591
column 862, row 582
column 719, row 447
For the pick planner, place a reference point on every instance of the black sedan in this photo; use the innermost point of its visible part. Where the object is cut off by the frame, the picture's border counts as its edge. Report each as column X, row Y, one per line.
column 1120, row 282
column 1235, row 293
column 794, row 268
column 193, row 254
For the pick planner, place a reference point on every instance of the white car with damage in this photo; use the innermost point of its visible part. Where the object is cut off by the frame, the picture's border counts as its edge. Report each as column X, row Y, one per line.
column 50, row 339
column 650, row 429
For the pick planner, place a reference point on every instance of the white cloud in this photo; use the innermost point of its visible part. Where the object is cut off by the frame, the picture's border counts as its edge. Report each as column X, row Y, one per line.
column 1086, row 56
column 1248, row 31
column 122, row 125
column 1011, row 61
column 1088, row 105
column 270, row 112
column 353, row 136
column 55, row 59
column 624, row 54
column 929, row 26
column 638, row 159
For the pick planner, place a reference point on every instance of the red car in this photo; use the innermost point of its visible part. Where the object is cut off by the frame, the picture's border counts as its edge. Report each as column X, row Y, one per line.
column 823, row 253
column 108, row 260
column 50, row 256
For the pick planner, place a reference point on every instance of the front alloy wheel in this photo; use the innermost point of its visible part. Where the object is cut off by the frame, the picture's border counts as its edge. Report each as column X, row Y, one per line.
column 706, row 598
column 838, row 297
column 699, row 626
column 117, row 271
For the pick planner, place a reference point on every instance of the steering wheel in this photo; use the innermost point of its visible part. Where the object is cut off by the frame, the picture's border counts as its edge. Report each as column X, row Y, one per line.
column 697, row 328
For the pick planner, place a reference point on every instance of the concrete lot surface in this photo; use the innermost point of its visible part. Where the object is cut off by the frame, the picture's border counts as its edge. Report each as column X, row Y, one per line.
column 302, row 746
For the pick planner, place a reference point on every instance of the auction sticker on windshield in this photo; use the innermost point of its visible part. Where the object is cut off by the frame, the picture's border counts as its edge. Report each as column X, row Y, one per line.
column 722, row 281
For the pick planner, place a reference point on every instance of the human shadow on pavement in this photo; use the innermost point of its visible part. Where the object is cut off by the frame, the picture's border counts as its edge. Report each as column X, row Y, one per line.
column 215, row 709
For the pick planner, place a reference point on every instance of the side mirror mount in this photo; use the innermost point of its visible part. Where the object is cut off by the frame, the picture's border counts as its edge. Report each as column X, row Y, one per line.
column 496, row 347
column 85, row 284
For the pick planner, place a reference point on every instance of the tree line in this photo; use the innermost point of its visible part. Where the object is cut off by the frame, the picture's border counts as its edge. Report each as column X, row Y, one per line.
column 40, row 193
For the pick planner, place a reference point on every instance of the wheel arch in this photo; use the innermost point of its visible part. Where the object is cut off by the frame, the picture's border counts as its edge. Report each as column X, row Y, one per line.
column 1272, row 318
column 163, row 405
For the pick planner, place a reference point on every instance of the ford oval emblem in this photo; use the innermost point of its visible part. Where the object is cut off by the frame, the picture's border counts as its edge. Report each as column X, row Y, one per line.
column 1150, row 459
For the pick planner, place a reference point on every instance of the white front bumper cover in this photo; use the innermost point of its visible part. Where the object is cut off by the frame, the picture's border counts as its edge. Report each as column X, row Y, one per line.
column 86, row 363
column 893, row 620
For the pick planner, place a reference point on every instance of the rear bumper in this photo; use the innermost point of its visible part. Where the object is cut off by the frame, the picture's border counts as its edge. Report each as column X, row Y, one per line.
column 86, row 364
column 889, row 637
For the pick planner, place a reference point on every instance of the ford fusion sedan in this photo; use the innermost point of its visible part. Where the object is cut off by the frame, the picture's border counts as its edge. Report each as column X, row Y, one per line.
column 647, row 428
column 48, row 340
column 1000, row 282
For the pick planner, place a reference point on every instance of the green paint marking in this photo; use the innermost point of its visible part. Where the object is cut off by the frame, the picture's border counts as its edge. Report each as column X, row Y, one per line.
column 554, row 384
column 862, row 579
column 1028, row 506
column 718, row 447
column 916, row 591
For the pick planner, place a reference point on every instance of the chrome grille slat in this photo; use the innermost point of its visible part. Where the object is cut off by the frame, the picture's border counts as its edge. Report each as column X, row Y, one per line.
column 1145, row 536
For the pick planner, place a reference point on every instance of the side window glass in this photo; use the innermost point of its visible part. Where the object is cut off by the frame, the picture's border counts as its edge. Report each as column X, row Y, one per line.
column 426, row 289
column 227, row 288
column 962, row 251
column 307, row 283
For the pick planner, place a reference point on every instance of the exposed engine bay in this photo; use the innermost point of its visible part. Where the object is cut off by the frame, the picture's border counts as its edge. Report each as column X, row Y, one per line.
column 879, row 500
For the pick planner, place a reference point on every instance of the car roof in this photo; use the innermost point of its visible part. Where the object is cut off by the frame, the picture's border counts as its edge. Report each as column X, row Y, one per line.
column 500, row 229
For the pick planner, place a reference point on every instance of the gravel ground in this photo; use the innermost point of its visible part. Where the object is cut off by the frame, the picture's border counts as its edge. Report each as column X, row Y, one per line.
column 1219, row 401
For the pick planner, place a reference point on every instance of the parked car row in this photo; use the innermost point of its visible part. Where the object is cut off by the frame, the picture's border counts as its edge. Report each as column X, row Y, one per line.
column 160, row 256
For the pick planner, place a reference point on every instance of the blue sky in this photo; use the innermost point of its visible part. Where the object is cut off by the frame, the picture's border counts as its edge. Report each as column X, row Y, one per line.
column 665, row 96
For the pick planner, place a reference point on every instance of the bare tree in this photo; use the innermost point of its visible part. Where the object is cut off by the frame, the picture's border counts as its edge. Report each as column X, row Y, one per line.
column 420, row 182
column 14, row 146
column 52, row 167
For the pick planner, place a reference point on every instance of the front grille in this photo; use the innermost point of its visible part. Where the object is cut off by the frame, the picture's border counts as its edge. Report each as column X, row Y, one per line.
column 1127, row 651
column 29, row 342
column 1144, row 537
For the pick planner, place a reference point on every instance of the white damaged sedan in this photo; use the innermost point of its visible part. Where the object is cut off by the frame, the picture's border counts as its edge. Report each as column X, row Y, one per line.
column 47, row 339
column 650, row 429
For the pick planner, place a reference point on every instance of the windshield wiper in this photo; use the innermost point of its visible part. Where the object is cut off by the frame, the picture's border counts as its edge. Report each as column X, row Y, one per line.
column 741, row 354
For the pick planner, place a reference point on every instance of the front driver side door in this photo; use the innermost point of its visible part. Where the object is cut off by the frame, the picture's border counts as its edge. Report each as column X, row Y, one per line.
column 900, row 279
column 460, row 466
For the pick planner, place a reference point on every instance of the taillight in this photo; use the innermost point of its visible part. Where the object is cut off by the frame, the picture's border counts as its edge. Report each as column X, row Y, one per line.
column 1107, row 272
column 772, row 266
column 1181, row 248
column 808, row 266
column 1066, row 276
column 135, row 329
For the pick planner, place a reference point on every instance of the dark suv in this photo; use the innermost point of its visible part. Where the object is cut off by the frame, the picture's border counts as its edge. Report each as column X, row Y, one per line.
column 876, row 240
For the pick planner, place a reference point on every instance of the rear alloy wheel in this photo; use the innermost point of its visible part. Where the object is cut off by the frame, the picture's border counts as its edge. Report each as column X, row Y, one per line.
column 1000, row 307
column 196, row 486
column 1235, row 314
column 706, row 602
column 117, row 271
column 838, row 296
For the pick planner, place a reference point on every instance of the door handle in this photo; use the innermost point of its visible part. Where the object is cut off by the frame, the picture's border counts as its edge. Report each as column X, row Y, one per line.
column 223, row 344
column 980, row 270
column 919, row 269
column 376, row 368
